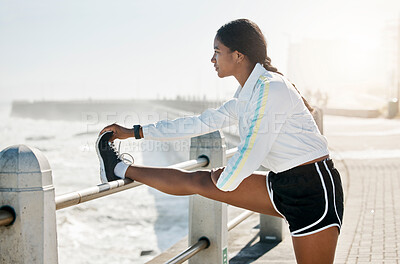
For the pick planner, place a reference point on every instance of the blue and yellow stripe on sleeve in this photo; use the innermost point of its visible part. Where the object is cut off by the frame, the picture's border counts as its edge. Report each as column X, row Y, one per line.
column 251, row 136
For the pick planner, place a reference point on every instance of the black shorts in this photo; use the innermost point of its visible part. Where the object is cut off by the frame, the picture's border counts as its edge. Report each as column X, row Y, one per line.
column 309, row 197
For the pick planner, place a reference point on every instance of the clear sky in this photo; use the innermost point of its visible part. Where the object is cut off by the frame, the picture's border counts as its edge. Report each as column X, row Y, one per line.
column 122, row 49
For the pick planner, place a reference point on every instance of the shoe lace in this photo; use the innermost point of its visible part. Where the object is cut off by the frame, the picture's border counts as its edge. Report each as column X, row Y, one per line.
column 121, row 156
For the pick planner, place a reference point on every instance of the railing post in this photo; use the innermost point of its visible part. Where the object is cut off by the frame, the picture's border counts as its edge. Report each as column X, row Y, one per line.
column 26, row 185
column 270, row 226
column 319, row 118
column 271, row 229
column 393, row 108
column 207, row 217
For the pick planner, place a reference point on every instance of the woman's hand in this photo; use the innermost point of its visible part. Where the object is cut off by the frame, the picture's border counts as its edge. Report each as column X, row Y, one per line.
column 120, row 132
column 215, row 173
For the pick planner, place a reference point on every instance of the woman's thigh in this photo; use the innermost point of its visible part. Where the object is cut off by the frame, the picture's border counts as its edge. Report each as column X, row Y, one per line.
column 318, row 248
column 251, row 194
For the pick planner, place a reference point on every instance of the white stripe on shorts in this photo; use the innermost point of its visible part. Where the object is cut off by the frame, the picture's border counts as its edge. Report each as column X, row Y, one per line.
column 334, row 197
column 326, row 204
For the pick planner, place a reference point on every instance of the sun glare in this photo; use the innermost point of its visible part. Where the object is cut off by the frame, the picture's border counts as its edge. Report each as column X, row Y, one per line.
column 360, row 51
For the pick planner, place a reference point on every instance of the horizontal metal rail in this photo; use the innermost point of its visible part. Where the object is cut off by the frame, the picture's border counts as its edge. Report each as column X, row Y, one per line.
column 240, row 218
column 6, row 218
column 231, row 152
column 190, row 164
column 203, row 243
column 91, row 193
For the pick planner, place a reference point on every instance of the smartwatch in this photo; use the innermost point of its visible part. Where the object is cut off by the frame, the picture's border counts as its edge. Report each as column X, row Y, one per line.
column 136, row 132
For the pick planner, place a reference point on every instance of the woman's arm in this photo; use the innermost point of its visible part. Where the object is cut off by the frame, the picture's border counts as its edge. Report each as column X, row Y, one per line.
column 186, row 127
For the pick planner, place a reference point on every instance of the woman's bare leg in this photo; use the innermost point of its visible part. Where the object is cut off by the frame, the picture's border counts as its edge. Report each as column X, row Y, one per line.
column 251, row 194
column 318, row 248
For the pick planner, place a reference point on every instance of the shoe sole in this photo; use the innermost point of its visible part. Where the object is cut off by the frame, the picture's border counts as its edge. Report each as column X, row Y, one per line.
column 103, row 176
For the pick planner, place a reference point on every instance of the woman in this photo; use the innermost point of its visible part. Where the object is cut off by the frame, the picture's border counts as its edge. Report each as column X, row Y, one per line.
column 276, row 130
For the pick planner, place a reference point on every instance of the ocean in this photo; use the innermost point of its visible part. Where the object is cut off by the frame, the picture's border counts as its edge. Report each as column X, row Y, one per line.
column 132, row 226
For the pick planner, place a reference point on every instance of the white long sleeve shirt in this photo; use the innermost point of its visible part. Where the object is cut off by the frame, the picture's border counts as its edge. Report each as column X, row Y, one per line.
column 276, row 129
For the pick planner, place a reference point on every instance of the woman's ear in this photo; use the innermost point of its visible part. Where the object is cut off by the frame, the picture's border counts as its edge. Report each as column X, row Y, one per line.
column 239, row 56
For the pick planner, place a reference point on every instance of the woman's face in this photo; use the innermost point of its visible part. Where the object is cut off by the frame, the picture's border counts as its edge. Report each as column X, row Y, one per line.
column 223, row 59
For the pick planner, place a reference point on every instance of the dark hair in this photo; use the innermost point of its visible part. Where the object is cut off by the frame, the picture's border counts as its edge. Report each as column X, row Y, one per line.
column 245, row 36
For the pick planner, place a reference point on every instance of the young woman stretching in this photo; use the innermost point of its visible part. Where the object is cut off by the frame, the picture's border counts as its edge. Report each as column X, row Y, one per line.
column 276, row 130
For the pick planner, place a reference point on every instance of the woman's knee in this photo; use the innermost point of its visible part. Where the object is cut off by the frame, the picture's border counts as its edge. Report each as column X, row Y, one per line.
column 201, row 182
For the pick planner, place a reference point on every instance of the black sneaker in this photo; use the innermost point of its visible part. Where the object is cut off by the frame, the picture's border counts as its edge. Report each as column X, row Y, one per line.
column 108, row 156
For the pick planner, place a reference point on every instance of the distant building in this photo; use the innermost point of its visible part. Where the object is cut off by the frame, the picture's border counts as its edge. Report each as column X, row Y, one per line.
column 313, row 64
column 358, row 69
column 391, row 47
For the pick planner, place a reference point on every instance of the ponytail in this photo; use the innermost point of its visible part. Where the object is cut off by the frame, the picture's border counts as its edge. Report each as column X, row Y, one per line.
column 267, row 65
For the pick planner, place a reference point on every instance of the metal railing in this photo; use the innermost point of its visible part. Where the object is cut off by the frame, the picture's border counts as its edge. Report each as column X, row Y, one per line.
column 104, row 189
column 216, row 156
column 203, row 243
column 77, row 197
column 240, row 218
column 6, row 218
column 91, row 193
column 101, row 190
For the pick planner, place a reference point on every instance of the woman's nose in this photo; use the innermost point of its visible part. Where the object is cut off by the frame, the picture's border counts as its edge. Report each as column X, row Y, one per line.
column 213, row 59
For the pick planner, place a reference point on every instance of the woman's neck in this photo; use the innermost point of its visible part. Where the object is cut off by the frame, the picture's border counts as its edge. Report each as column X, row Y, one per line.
column 244, row 72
